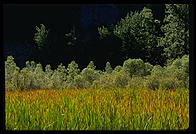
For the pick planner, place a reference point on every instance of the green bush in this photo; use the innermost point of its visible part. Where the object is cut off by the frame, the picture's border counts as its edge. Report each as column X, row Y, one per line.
column 134, row 67
column 134, row 74
column 104, row 81
column 169, row 83
column 118, row 68
column 108, row 68
column 120, row 79
column 90, row 75
column 72, row 71
column 152, row 82
column 80, row 82
column 136, row 82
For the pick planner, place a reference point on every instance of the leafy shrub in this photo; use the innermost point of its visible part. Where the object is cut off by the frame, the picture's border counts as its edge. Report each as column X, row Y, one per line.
column 158, row 71
column 90, row 74
column 13, row 85
column 151, row 82
column 148, row 68
column 120, row 79
column 72, row 71
column 104, row 81
column 80, row 82
column 108, row 68
column 136, row 82
column 91, row 65
column 11, row 73
column 118, row 68
column 134, row 74
column 25, row 80
column 169, row 83
column 48, row 77
column 134, row 67
column 10, row 67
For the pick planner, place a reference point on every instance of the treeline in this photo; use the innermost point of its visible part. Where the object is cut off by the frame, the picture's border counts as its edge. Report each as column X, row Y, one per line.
column 138, row 35
column 134, row 73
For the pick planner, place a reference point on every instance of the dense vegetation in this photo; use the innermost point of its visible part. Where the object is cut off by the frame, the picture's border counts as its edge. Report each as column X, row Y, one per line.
column 134, row 73
column 144, row 84
column 88, row 109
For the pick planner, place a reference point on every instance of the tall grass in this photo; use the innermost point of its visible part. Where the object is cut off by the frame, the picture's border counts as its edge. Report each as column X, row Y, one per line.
column 99, row 109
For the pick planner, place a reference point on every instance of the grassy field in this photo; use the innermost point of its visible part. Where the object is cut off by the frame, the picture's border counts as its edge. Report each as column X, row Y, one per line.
column 100, row 109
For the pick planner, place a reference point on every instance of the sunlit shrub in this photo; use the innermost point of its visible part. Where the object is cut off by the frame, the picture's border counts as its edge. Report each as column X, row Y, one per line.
column 90, row 74
column 169, row 83
column 120, row 79
column 134, row 67
column 72, row 71
column 104, row 81
column 136, row 82
column 118, row 68
column 80, row 82
column 152, row 82
column 108, row 68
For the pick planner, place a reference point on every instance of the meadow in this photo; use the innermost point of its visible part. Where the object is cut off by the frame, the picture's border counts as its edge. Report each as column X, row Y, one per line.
column 97, row 109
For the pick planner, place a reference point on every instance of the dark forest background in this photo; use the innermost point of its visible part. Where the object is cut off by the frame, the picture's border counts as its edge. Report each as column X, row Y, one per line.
column 82, row 22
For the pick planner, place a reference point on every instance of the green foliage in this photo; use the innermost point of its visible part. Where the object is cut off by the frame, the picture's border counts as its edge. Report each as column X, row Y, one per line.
column 90, row 75
column 120, row 79
column 72, row 71
column 133, row 74
column 152, row 82
column 136, row 82
column 138, row 34
column 91, row 65
column 118, row 68
column 11, row 70
column 104, row 81
column 80, row 82
column 134, row 67
column 41, row 36
column 103, row 32
column 70, row 37
column 176, row 31
column 108, row 68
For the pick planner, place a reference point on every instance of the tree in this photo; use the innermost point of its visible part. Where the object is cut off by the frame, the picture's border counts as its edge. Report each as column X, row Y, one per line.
column 176, row 31
column 70, row 37
column 41, row 36
column 138, row 35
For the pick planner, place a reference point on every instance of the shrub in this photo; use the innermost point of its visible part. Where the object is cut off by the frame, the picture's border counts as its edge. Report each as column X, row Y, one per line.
column 151, row 82
column 104, row 81
column 158, row 71
column 80, row 82
column 14, row 84
column 72, row 71
column 120, row 79
column 10, row 67
column 48, row 77
column 118, row 68
column 134, row 67
column 11, row 70
column 91, row 65
column 25, row 80
column 38, row 76
column 108, row 68
column 169, row 83
column 148, row 68
column 136, row 82
column 90, row 74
